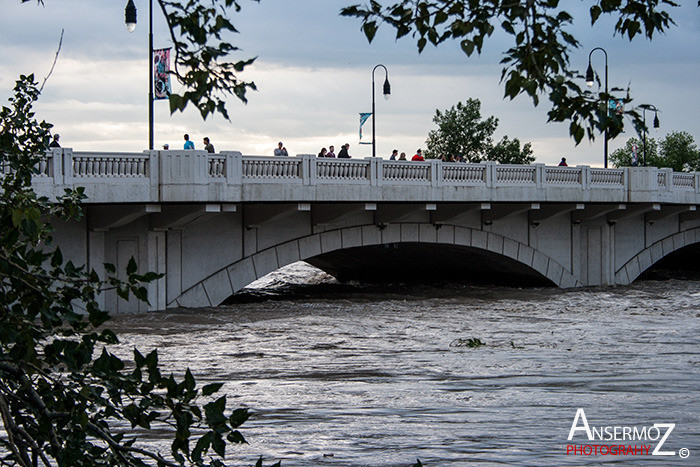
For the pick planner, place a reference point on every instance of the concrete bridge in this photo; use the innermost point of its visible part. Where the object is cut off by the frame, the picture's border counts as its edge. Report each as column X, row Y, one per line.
column 213, row 223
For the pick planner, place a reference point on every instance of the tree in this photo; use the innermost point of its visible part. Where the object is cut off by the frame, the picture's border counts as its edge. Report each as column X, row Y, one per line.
column 634, row 151
column 197, row 28
column 538, row 63
column 461, row 131
column 508, row 152
column 65, row 399
column 677, row 151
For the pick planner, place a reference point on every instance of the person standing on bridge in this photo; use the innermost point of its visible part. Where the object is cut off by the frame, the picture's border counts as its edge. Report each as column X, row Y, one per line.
column 54, row 143
column 323, row 152
column 331, row 151
column 188, row 144
column 418, row 156
column 281, row 150
column 343, row 154
column 394, row 155
column 207, row 145
column 563, row 162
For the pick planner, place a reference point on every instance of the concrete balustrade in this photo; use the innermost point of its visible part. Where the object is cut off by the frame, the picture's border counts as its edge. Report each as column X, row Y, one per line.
column 197, row 176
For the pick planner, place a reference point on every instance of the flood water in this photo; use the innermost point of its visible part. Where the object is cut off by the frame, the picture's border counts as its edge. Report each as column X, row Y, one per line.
column 378, row 376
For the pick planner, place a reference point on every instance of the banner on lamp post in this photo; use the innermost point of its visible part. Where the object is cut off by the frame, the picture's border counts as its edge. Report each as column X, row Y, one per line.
column 161, row 74
column 363, row 118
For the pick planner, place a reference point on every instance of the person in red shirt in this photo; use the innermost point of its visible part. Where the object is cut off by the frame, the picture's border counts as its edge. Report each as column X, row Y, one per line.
column 563, row 162
column 418, row 156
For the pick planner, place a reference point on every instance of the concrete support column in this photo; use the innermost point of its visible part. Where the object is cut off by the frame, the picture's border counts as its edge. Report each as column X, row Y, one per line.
column 435, row 173
column 56, row 168
column 585, row 176
column 156, row 263
column 490, row 174
column 184, row 175
column 668, row 179
column 153, row 175
column 67, row 166
column 539, row 175
column 374, row 170
column 234, row 167
column 96, row 259
column 308, row 169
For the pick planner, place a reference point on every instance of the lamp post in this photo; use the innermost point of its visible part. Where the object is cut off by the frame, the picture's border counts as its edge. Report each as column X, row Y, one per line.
column 130, row 20
column 656, row 125
column 589, row 82
column 387, row 93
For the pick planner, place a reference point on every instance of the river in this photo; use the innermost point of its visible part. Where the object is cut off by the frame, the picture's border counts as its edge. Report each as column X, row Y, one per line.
column 382, row 376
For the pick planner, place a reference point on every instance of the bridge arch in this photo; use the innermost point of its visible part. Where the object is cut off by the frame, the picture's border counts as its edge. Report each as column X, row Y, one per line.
column 646, row 258
column 225, row 282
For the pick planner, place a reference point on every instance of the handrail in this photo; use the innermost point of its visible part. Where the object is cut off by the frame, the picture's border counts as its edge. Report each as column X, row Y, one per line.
column 155, row 169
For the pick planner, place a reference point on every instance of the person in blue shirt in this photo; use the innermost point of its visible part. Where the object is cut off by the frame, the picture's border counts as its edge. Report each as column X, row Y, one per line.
column 188, row 144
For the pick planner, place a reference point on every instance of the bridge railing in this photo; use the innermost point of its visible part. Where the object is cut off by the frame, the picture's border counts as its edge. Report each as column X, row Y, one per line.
column 154, row 176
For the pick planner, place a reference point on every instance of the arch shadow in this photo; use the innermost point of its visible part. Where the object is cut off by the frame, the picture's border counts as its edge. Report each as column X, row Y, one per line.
column 517, row 257
column 645, row 259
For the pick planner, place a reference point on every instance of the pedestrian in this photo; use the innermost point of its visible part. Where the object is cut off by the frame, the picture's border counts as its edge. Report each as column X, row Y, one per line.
column 207, row 145
column 54, row 143
column 343, row 154
column 563, row 162
column 402, row 157
column 188, row 144
column 418, row 156
column 331, row 151
column 323, row 152
column 394, row 155
column 281, row 150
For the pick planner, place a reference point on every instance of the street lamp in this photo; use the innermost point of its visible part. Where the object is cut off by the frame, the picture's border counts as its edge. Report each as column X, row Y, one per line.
column 589, row 82
column 387, row 93
column 656, row 125
column 130, row 20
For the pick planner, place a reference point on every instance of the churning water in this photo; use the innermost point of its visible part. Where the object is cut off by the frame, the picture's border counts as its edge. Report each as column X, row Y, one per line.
column 381, row 376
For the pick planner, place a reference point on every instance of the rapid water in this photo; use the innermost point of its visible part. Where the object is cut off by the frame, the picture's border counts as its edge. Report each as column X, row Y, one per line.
column 379, row 376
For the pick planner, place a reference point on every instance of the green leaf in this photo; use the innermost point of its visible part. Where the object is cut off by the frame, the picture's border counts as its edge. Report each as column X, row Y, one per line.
column 210, row 389
column 238, row 417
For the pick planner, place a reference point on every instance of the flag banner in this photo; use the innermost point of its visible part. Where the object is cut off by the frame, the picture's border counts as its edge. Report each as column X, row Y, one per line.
column 617, row 106
column 363, row 118
column 161, row 74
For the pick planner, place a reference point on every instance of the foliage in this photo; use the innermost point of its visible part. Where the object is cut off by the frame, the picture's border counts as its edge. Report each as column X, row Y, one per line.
column 538, row 62
column 64, row 398
column 625, row 156
column 472, row 342
column 508, row 151
column 462, row 132
column 677, row 150
column 197, row 28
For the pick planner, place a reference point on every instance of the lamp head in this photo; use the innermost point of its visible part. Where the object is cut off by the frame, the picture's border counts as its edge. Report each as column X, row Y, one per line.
column 656, row 120
column 130, row 16
column 387, row 88
column 589, row 75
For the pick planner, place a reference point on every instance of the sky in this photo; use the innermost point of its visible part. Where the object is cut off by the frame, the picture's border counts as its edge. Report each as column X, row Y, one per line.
column 314, row 76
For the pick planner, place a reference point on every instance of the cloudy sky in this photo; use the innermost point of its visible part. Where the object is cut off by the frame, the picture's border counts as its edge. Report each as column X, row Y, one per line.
column 313, row 75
